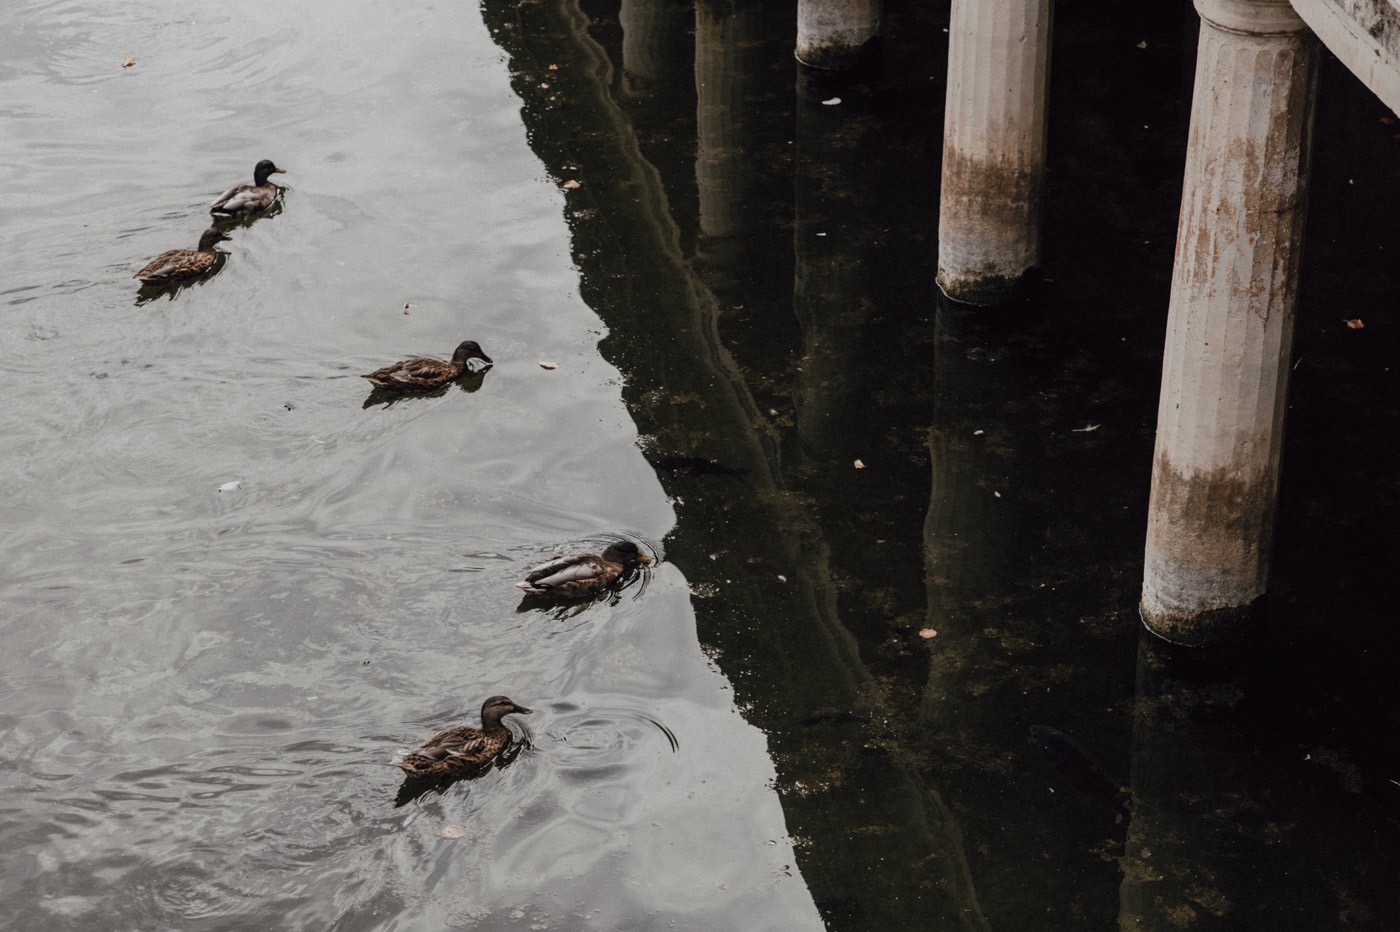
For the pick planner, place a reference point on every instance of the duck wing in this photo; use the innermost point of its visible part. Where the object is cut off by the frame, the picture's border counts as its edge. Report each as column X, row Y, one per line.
column 243, row 199
column 575, row 572
column 414, row 372
column 166, row 264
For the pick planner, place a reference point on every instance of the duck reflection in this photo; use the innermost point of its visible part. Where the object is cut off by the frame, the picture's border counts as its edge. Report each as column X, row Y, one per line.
column 469, row 382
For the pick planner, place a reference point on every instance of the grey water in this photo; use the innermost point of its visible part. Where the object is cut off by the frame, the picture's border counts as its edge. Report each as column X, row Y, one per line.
column 234, row 585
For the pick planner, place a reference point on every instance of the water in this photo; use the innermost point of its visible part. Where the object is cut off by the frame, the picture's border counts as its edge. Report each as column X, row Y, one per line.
column 848, row 698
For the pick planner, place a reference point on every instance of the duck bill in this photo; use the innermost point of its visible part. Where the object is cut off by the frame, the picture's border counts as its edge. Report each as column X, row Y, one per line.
column 279, row 171
column 524, row 711
column 643, row 559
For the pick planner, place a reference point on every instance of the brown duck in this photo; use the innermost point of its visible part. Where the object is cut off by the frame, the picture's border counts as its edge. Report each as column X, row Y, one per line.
column 424, row 373
column 463, row 749
column 580, row 575
column 179, row 264
column 244, row 200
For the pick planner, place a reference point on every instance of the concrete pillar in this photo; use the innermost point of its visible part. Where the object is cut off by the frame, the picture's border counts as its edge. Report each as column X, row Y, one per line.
column 1230, row 323
column 993, row 147
column 836, row 34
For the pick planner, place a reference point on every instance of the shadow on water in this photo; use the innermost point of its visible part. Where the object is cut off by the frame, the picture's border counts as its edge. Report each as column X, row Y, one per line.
column 913, row 532
column 471, row 381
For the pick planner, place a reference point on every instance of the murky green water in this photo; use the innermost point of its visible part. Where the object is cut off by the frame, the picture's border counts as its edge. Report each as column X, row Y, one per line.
column 902, row 696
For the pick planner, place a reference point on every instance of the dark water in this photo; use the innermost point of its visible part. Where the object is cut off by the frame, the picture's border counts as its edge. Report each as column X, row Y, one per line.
column 200, row 689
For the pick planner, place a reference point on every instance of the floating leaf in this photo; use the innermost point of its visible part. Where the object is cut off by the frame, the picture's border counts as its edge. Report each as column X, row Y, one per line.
column 927, row 633
column 553, row 67
column 129, row 62
column 1355, row 323
column 572, row 184
column 452, row 830
column 548, row 365
column 831, row 102
column 406, row 306
column 858, row 464
column 230, row 486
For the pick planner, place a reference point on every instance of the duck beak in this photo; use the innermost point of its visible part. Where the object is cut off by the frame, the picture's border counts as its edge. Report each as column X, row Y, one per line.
column 524, row 711
column 279, row 171
column 643, row 559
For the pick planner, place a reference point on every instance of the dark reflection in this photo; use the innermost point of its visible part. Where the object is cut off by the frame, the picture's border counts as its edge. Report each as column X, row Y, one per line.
column 469, row 382
column 938, row 646
column 414, row 787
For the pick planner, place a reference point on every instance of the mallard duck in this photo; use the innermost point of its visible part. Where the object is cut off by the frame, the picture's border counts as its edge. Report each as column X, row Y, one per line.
column 463, row 749
column 244, row 200
column 579, row 575
column 424, row 373
column 179, row 264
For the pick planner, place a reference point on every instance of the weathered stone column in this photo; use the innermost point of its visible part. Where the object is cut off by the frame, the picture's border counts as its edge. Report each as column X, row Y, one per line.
column 993, row 147
column 1230, row 324
column 836, row 34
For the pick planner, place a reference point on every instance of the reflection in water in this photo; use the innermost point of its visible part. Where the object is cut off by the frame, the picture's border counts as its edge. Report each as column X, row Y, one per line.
column 817, row 714
column 469, row 382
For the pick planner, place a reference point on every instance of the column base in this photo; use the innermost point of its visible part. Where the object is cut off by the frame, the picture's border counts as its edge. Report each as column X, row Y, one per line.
column 1212, row 627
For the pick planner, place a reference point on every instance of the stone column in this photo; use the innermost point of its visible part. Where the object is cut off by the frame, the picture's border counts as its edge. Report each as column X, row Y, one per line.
column 836, row 34
column 993, row 147
column 1230, row 324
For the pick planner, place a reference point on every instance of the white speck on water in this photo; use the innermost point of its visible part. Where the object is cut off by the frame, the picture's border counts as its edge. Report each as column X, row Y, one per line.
column 831, row 102
column 230, row 486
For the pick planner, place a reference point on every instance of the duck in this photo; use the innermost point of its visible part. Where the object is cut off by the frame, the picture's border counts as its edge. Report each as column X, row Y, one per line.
column 244, row 200
column 464, row 749
column 424, row 373
column 580, row 575
column 180, row 264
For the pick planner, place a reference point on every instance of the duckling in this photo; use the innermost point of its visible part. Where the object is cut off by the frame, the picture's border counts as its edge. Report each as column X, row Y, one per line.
column 580, row 575
column 179, row 264
column 463, row 749
column 423, row 373
column 244, row 200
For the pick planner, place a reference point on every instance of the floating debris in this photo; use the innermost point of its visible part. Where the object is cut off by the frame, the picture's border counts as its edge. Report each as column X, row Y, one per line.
column 572, row 185
column 452, row 830
column 927, row 633
column 831, row 102
column 548, row 365
column 1086, row 430
column 858, row 464
column 230, row 486
column 1355, row 323
column 129, row 62
column 406, row 306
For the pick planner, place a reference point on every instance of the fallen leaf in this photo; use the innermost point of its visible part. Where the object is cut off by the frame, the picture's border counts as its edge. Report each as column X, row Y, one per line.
column 858, row 464
column 927, row 633
column 452, row 830
column 544, row 85
column 832, row 102
column 1355, row 323
column 571, row 184
column 553, row 67
column 129, row 62
column 230, row 486
column 548, row 365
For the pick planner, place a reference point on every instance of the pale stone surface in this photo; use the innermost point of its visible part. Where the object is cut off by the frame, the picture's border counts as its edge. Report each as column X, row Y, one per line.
column 835, row 34
column 1365, row 35
column 1230, row 324
column 993, row 146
